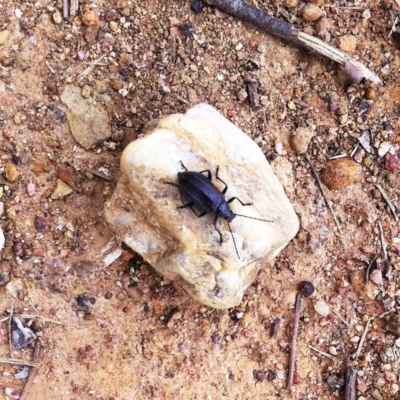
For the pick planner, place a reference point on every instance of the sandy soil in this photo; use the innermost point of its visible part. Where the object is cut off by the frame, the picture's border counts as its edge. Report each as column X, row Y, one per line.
column 134, row 336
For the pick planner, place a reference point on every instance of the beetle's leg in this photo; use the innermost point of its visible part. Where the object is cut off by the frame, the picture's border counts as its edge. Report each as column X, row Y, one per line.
column 183, row 166
column 215, row 227
column 201, row 215
column 208, row 173
column 171, row 183
column 240, row 201
column 226, row 186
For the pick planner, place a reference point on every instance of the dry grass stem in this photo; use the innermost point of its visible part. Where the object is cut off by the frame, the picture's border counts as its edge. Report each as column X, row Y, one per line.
column 362, row 340
column 292, row 357
column 389, row 203
column 36, row 354
column 321, row 188
column 322, row 352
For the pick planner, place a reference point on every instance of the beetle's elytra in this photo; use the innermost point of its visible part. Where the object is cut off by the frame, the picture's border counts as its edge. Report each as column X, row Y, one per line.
column 198, row 190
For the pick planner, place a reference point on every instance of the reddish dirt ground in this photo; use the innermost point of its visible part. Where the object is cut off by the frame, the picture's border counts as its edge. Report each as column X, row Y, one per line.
column 136, row 336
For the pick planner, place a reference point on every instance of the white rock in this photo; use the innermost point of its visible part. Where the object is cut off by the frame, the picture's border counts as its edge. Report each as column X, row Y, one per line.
column 144, row 209
column 322, row 308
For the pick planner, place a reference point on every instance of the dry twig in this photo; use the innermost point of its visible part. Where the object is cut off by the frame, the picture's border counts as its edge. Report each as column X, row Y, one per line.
column 362, row 340
column 15, row 361
column 322, row 352
column 292, row 357
column 289, row 32
column 32, row 372
column 350, row 384
column 342, row 319
column 91, row 67
column 383, row 243
column 45, row 319
column 389, row 203
column 328, row 203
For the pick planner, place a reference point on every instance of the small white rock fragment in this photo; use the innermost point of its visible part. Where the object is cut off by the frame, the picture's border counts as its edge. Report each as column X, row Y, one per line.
column 376, row 277
column 144, row 212
column 12, row 393
column 31, row 189
column 2, row 239
column 18, row 13
column 322, row 308
column 384, row 148
column 57, row 18
column 332, row 350
column 23, row 374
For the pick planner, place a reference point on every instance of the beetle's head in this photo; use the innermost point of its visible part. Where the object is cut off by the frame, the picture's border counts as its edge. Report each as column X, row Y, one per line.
column 225, row 212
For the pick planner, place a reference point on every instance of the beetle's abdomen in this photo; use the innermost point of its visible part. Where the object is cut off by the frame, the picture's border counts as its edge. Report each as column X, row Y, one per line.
column 199, row 190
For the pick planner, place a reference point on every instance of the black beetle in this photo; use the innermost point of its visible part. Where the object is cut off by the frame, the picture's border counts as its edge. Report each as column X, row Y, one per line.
column 200, row 191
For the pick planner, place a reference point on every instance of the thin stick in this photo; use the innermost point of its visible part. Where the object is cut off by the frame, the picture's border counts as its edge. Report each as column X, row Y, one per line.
column 9, row 328
column 91, row 67
column 389, row 203
column 383, row 243
column 4, row 319
column 292, row 357
column 15, row 361
column 65, row 9
column 367, row 272
column 342, row 319
column 350, row 384
column 32, row 372
column 362, row 340
column 328, row 203
column 322, row 352
column 289, row 32
column 52, row 321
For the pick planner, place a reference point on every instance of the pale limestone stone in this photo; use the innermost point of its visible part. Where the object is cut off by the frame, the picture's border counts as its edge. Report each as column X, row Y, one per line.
column 144, row 212
column 88, row 120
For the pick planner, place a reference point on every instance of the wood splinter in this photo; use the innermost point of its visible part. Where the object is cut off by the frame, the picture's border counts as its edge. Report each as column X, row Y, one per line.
column 350, row 384
column 354, row 69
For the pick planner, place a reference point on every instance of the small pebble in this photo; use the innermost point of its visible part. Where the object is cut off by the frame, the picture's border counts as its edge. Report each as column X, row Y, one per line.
column 343, row 119
column 370, row 93
column 12, row 393
column 300, row 139
column 312, row 12
column 291, row 3
column 322, row 308
column 31, row 189
column 91, row 19
column 114, row 26
column 332, row 350
column 340, row 173
column 61, row 190
column 12, row 173
column 348, row 43
column 18, row 13
column 376, row 277
column 86, row 91
column 57, row 18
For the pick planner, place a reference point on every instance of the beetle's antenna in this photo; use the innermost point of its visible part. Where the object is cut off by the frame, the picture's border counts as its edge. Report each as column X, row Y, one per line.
column 257, row 219
column 233, row 238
